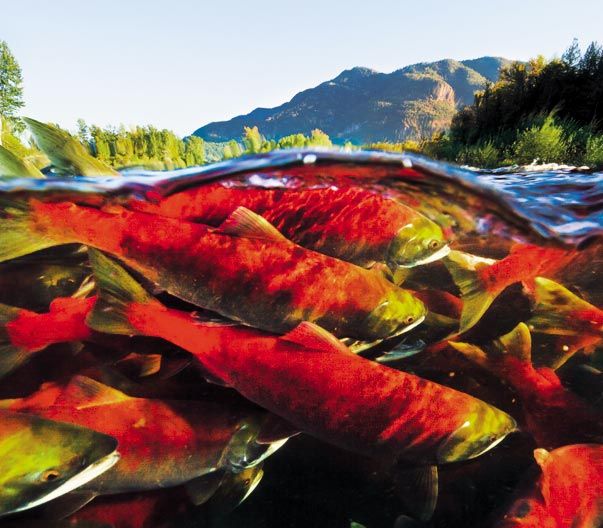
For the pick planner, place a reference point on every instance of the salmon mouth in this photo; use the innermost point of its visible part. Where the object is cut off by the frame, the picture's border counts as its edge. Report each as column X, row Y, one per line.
column 439, row 254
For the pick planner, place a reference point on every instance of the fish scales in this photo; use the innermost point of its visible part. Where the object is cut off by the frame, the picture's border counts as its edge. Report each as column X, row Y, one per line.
column 349, row 223
column 271, row 285
column 162, row 443
column 335, row 395
column 310, row 379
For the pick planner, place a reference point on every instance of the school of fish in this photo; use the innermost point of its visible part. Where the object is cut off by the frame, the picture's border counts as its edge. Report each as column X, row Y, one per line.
column 162, row 337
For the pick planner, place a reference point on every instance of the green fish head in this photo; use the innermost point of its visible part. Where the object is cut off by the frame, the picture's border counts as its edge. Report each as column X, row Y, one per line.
column 41, row 460
column 244, row 451
column 399, row 312
column 420, row 242
column 484, row 428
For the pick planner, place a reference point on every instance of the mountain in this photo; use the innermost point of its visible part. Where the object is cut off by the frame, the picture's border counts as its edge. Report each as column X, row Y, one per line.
column 363, row 105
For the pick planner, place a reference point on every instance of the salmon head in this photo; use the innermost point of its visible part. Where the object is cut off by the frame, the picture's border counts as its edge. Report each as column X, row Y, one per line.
column 41, row 460
column 419, row 242
column 245, row 450
column 399, row 312
column 484, row 428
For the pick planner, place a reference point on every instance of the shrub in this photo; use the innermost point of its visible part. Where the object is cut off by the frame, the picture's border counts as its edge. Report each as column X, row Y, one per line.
column 485, row 155
column 545, row 143
column 593, row 157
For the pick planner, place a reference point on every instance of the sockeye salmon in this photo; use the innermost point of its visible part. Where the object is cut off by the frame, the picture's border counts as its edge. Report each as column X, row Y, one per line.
column 312, row 380
column 349, row 223
column 245, row 270
column 554, row 415
column 567, row 494
column 482, row 280
column 163, row 443
column 23, row 332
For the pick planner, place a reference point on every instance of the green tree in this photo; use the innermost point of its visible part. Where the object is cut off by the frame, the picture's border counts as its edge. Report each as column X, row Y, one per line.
column 194, row 151
column 253, row 140
column 319, row 139
column 232, row 150
column 11, row 90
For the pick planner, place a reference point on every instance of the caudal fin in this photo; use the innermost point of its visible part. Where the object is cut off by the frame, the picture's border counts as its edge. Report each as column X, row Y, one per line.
column 15, row 167
column 558, row 311
column 17, row 238
column 117, row 291
column 517, row 344
column 68, row 156
column 11, row 356
column 464, row 269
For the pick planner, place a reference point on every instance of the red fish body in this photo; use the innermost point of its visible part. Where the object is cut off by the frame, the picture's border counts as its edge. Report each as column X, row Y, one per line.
column 349, row 223
column 568, row 493
column 269, row 283
column 65, row 321
column 23, row 332
column 310, row 379
column 554, row 415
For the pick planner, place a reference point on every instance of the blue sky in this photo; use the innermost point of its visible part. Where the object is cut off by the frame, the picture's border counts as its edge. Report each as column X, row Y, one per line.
column 181, row 64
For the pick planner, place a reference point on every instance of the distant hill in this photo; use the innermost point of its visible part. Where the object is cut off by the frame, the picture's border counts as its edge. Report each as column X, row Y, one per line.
column 362, row 105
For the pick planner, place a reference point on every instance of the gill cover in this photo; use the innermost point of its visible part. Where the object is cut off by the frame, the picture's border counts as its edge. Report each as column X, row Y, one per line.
column 484, row 428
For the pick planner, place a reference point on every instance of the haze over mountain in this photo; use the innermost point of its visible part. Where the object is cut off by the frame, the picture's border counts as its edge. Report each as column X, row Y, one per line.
column 363, row 105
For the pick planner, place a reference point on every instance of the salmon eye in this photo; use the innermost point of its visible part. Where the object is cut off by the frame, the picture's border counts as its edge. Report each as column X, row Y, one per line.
column 50, row 475
column 409, row 320
column 434, row 244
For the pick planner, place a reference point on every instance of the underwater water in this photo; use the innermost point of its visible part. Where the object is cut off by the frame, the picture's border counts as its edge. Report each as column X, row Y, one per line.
column 511, row 316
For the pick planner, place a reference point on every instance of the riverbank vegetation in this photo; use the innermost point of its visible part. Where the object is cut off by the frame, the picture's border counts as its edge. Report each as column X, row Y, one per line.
column 550, row 111
column 545, row 111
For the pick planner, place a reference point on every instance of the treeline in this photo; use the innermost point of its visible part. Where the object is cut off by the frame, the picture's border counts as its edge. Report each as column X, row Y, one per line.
column 141, row 145
column 550, row 111
column 255, row 143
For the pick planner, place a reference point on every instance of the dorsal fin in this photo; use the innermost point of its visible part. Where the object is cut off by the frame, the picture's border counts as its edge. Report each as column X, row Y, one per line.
column 83, row 392
column 553, row 296
column 518, row 342
column 245, row 223
column 311, row 335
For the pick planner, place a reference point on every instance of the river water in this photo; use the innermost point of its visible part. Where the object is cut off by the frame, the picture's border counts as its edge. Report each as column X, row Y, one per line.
column 486, row 214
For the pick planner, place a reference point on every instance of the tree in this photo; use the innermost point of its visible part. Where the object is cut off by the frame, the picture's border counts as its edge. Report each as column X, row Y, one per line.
column 83, row 134
column 194, row 151
column 252, row 139
column 11, row 90
column 319, row 139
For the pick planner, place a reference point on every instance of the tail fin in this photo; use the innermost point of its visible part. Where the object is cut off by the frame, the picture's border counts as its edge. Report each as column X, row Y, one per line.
column 464, row 269
column 13, row 166
column 17, row 237
column 11, row 356
column 555, row 305
column 517, row 343
column 117, row 290
column 67, row 155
